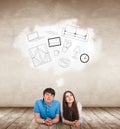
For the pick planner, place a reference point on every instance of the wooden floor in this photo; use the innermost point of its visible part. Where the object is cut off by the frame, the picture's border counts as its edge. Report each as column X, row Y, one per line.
column 93, row 118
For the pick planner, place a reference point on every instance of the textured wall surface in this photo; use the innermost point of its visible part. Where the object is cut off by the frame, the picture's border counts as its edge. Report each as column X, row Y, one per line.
column 97, row 84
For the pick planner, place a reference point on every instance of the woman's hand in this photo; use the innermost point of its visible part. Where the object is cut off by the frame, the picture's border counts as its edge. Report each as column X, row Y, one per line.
column 76, row 123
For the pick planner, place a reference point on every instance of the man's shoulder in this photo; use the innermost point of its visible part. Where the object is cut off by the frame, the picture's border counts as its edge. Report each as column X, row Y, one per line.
column 39, row 101
column 56, row 102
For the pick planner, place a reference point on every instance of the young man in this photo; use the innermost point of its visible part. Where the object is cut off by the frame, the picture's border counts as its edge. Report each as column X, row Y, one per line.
column 47, row 110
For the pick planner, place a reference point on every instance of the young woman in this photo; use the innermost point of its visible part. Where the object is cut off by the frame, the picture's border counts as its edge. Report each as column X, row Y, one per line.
column 71, row 110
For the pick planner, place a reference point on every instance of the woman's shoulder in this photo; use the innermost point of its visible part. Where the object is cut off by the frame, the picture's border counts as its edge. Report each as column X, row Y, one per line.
column 79, row 104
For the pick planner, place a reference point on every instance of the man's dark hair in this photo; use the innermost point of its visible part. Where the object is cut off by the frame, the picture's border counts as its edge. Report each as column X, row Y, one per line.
column 49, row 90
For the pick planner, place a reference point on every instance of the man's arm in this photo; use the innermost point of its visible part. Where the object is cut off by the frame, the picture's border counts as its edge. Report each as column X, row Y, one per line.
column 56, row 119
column 38, row 118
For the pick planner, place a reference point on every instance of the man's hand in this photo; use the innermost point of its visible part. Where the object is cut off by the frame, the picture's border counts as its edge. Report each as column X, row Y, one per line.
column 48, row 122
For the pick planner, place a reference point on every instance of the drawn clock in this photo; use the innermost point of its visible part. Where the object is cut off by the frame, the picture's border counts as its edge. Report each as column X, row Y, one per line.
column 84, row 58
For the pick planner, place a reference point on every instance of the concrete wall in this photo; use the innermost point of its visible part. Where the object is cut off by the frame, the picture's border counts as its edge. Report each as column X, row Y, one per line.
column 95, row 83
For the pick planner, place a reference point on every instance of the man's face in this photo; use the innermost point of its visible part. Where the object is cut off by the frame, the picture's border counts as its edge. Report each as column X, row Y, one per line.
column 48, row 97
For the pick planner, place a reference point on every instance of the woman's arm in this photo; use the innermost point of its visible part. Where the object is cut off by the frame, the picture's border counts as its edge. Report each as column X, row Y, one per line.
column 79, row 106
column 68, row 122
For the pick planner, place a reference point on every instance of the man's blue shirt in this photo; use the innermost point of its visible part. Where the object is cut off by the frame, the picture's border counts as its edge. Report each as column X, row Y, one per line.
column 45, row 110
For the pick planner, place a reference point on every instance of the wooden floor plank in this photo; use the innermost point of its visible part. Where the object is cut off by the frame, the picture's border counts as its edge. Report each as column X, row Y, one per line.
column 85, row 124
column 33, row 125
column 97, row 114
column 93, row 118
column 107, row 118
column 4, row 111
column 24, row 121
column 117, row 110
column 93, row 122
column 8, row 119
column 113, row 111
column 112, row 119
column 96, row 123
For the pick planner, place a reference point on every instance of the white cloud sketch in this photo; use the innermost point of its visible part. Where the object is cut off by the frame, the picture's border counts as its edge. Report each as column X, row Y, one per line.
column 75, row 32
column 33, row 36
column 40, row 55
column 60, row 47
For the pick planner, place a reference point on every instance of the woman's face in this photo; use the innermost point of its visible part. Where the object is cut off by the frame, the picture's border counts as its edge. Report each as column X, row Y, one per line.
column 69, row 98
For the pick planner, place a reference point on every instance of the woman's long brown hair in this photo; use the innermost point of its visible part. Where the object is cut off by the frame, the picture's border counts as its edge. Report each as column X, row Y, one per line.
column 67, row 110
